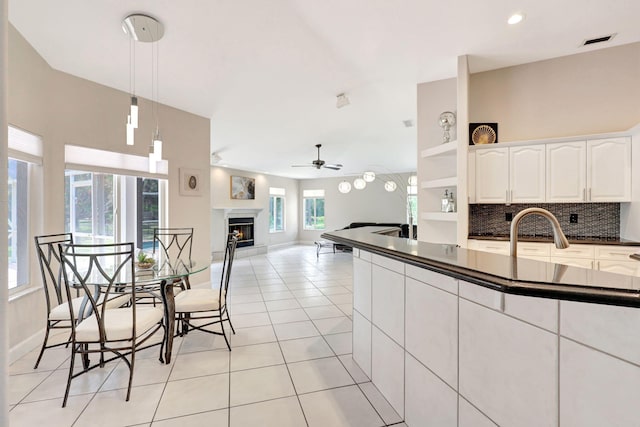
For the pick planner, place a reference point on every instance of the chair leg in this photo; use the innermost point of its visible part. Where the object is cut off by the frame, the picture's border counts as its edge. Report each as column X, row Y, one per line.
column 230, row 324
column 224, row 334
column 70, row 377
column 85, row 356
column 44, row 346
column 133, row 359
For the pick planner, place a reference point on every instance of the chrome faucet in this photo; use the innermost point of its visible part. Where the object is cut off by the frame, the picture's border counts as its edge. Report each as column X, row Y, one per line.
column 559, row 238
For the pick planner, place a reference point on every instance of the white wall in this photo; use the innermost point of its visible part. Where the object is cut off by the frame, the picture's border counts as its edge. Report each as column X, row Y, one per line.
column 64, row 109
column 373, row 204
column 587, row 93
column 221, row 200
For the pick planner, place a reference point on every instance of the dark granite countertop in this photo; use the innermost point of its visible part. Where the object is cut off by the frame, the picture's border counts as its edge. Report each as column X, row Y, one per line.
column 572, row 240
column 499, row 272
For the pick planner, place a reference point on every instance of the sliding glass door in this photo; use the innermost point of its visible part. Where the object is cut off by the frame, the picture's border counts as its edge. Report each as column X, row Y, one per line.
column 108, row 208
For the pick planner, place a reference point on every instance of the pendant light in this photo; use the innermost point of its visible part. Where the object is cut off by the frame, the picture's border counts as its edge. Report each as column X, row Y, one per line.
column 146, row 29
column 344, row 187
column 369, row 176
column 359, row 183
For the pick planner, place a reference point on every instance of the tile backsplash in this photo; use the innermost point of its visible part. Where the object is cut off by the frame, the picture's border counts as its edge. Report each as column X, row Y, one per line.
column 601, row 220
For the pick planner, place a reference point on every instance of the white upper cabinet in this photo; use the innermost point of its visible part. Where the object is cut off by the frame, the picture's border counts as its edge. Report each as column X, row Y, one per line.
column 492, row 175
column 527, row 174
column 592, row 171
column 509, row 175
column 609, row 171
column 566, row 172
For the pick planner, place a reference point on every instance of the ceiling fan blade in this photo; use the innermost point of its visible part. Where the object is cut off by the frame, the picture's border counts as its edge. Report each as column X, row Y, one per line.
column 336, row 167
column 303, row 166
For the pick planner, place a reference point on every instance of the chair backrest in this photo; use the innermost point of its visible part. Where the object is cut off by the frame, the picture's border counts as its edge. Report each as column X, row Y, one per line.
column 50, row 267
column 229, row 255
column 98, row 272
column 173, row 243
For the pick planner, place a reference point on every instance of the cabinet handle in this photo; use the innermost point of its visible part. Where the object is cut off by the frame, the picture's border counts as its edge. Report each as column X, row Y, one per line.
column 598, row 264
column 584, row 194
column 511, row 196
column 617, row 254
column 592, row 265
column 589, row 194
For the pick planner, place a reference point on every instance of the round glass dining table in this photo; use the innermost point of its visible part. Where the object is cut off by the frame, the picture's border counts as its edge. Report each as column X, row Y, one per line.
column 163, row 276
column 157, row 281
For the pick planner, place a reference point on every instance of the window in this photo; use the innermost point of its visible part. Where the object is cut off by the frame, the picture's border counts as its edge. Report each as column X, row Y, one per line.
column 412, row 200
column 18, row 223
column 24, row 202
column 313, row 209
column 89, row 206
column 276, row 209
column 147, row 212
column 107, row 208
column 112, row 197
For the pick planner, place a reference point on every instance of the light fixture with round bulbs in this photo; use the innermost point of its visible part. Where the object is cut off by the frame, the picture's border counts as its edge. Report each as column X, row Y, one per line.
column 369, row 176
column 390, row 186
column 413, row 180
column 344, row 187
column 515, row 18
column 359, row 183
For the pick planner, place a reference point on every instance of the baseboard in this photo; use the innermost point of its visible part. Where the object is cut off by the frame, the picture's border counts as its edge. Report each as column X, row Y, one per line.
column 243, row 252
column 306, row 242
column 282, row 245
column 21, row 349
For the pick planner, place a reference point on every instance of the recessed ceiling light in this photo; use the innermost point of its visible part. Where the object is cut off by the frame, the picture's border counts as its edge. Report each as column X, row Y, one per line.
column 515, row 18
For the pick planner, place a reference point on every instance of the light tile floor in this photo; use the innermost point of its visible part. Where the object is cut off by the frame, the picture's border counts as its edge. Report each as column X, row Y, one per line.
column 291, row 362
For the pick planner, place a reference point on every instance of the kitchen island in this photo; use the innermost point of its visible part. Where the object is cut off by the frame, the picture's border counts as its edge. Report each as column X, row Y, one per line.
column 456, row 337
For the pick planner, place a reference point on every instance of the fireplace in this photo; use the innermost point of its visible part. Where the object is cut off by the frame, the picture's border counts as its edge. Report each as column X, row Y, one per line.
column 244, row 228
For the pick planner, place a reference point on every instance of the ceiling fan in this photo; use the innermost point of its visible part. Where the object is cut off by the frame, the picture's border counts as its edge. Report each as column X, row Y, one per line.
column 319, row 163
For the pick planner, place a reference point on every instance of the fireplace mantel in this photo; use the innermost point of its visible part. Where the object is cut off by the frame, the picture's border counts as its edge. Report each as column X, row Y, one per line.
column 227, row 211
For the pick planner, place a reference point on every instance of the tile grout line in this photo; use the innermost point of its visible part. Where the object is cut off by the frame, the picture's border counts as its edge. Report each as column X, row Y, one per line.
column 304, row 415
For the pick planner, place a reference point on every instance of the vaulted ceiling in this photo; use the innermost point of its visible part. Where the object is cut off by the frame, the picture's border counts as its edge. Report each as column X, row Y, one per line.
column 267, row 72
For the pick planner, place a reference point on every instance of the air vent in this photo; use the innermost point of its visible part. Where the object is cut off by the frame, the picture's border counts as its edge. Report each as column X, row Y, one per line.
column 598, row 40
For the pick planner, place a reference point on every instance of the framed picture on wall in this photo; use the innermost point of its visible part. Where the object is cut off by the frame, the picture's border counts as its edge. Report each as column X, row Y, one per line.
column 243, row 188
column 483, row 133
column 190, row 182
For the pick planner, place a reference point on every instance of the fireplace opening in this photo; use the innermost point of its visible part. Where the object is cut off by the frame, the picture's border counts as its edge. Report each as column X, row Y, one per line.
column 244, row 228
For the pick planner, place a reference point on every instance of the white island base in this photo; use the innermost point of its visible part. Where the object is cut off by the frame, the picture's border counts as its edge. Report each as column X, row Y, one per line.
column 445, row 352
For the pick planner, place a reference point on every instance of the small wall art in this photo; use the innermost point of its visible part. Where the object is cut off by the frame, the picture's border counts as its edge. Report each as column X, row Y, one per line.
column 243, row 188
column 483, row 133
column 190, row 182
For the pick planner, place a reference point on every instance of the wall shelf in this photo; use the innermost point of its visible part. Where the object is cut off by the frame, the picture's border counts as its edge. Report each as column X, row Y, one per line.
column 440, row 183
column 446, row 149
column 439, row 216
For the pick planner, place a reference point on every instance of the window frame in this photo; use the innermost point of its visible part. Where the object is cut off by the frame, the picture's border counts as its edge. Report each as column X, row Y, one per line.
column 125, row 206
column 26, row 147
column 274, row 195
column 412, row 202
column 313, row 195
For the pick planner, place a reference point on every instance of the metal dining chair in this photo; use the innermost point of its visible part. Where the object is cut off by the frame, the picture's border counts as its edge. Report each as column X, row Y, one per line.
column 202, row 308
column 174, row 244
column 56, row 299
column 100, row 272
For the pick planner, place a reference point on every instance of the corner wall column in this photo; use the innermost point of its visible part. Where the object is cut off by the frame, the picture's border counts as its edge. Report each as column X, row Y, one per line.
column 4, row 136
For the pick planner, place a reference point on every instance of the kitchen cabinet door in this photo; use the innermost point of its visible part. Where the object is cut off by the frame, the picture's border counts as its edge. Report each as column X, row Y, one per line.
column 566, row 172
column 609, row 170
column 492, row 175
column 527, row 174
